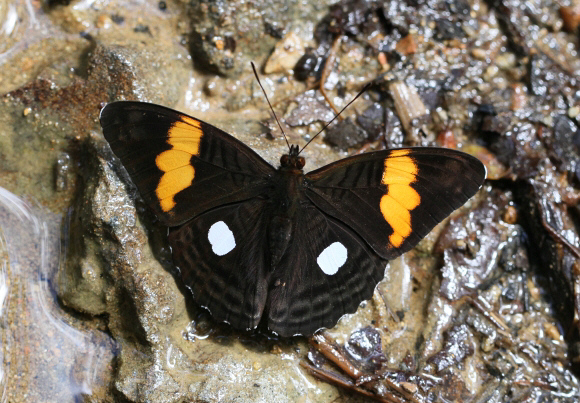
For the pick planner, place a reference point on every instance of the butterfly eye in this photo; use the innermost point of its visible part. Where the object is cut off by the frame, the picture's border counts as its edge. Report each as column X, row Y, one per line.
column 285, row 160
column 300, row 163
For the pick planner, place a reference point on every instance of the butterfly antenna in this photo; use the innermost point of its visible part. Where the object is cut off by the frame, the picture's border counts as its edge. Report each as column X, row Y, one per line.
column 272, row 109
column 366, row 87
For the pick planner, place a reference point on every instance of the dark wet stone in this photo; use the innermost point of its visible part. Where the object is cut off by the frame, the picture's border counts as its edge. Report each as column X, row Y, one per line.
column 118, row 19
column 309, row 65
column 54, row 3
column 481, row 325
column 142, row 29
column 446, row 29
column 564, row 144
column 510, row 21
column 348, row 17
column 545, row 77
column 372, row 120
column 469, row 245
column 311, row 108
column 274, row 29
column 521, row 150
column 513, row 255
column 365, row 348
column 554, row 261
column 454, row 389
column 456, row 348
column 458, row 7
column 345, row 134
column 576, row 139
column 497, row 123
column 511, row 291
column 499, row 366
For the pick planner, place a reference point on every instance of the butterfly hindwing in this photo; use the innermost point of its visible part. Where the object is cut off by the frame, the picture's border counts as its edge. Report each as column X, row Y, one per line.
column 222, row 257
column 181, row 165
column 326, row 271
column 393, row 198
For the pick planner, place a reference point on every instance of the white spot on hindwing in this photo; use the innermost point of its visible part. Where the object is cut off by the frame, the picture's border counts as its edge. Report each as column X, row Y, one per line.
column 221, row 238
column 332, row 258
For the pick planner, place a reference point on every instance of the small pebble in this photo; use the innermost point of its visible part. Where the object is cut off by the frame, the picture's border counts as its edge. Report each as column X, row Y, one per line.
column 104, row 21
column 517, row 319
column 407, row 45
column 212, row 86
column 479, row 54
column 409, row 387
column 382, row 57
column 506, row 61
column 573, row 112
column 490, row 73
column 26, row 111
column 552, row 331
column 487, row 344
column 276, row 349
column 510, row 215
column 219, row 43
column 446, row 138
column 257, row 366
column 519, row 97
column 286, row 54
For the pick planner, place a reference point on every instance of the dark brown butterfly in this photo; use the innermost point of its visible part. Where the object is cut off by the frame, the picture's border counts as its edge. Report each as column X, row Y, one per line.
column 257, row 243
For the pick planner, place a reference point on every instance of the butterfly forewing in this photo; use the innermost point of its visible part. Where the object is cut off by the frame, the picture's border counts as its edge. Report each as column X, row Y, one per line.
column 393, row 198
column 181, row 165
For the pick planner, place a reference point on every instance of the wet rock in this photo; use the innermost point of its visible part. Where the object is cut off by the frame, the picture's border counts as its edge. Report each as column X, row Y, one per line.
column 456, row 348
column 539, row 215
column 311, row 108
column 372, row 120
column 509, row 18
column 446, row 29
column 563, row 144
column 469, row 245
column 347, row 17
column 226, row 37
column 345, row 134
column 364, row 347
column 286, row 54
column 546, row 78
column 309, row 65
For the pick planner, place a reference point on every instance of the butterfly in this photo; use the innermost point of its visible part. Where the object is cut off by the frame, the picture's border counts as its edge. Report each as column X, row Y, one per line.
column 258, row 244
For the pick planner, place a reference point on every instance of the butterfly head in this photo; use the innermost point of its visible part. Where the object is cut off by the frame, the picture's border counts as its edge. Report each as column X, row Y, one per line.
column 292, row 160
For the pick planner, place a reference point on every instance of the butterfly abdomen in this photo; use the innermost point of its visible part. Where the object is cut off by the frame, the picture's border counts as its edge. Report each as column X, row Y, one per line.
column 286, row 204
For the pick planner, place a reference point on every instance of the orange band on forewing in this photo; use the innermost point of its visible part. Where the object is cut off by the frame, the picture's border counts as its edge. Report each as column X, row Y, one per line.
column 396, row 205
column 184, row 136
